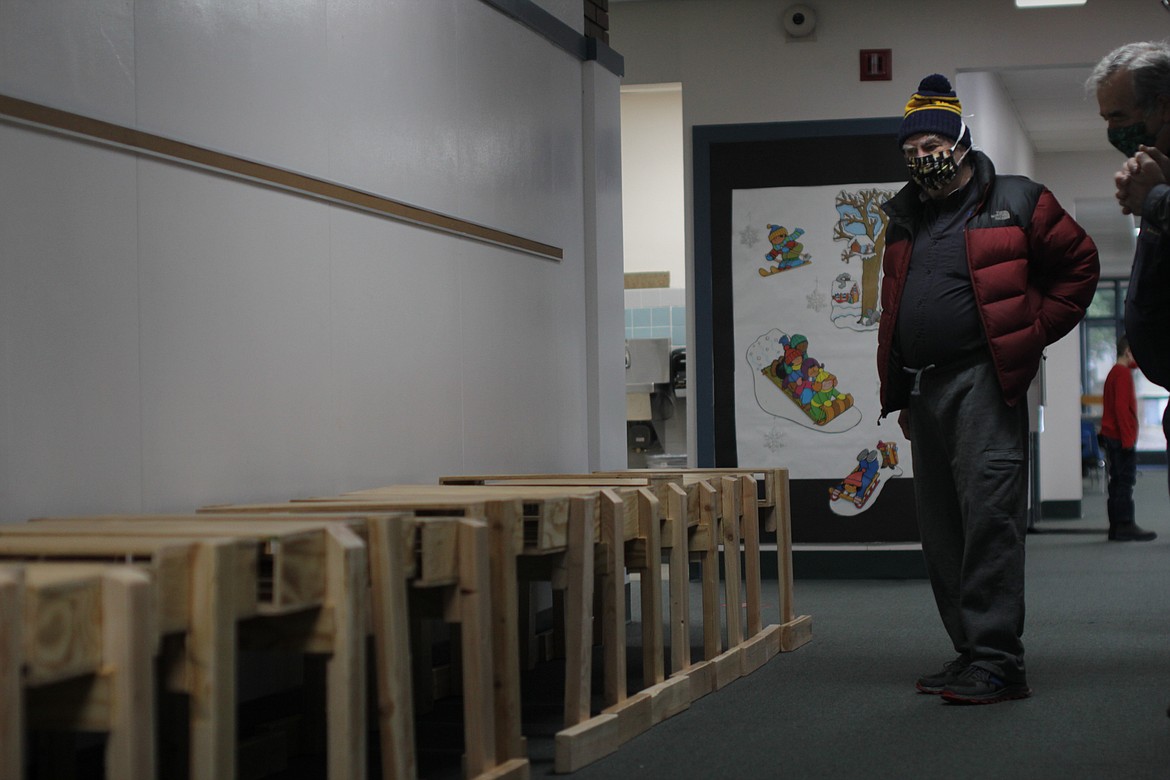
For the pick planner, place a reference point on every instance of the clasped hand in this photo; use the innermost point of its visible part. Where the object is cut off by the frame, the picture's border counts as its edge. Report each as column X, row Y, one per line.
column 1138, row 176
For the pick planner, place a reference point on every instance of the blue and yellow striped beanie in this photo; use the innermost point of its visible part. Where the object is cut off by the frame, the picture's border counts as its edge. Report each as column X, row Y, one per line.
column 934, row 108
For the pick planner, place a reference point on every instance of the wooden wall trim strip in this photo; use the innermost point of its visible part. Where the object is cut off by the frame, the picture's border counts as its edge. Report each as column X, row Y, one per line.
column 35, row 114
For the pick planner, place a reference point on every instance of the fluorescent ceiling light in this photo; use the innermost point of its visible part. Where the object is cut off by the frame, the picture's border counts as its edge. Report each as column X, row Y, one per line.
column 1046, row 3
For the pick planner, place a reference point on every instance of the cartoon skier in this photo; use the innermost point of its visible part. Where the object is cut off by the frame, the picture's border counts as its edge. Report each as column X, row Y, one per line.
column 786, row 250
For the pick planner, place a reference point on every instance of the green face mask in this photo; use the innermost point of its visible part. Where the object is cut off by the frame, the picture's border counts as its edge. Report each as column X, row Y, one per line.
column 1127, row 139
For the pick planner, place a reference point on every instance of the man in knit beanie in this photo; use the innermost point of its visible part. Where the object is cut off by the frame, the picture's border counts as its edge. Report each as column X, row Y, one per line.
column 981, row 273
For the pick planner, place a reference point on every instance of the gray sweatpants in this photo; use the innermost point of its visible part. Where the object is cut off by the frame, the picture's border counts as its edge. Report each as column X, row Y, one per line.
column 970, row 485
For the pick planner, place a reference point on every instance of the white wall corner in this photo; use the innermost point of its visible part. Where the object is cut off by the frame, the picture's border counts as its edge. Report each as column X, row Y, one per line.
column 605, row 301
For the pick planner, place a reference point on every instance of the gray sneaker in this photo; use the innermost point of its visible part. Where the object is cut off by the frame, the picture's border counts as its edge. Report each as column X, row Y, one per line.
column 936, row 683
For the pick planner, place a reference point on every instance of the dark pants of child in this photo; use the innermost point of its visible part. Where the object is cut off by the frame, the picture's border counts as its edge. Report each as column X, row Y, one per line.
column 1121, row 463
column 970, row 485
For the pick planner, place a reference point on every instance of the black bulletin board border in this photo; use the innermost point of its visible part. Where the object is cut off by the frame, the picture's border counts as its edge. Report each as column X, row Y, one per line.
column 782, row 154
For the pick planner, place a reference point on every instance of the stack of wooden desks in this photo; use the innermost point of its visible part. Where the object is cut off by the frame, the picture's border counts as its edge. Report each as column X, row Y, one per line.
column 715, row 497
column 111, row 610
column 303, row 582
column 543, row 532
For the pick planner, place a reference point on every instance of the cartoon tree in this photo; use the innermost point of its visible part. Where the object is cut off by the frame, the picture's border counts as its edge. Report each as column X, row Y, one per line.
column 862, row 223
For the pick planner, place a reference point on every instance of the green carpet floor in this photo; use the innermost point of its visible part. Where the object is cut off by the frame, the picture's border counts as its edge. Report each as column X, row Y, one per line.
column 844, row 706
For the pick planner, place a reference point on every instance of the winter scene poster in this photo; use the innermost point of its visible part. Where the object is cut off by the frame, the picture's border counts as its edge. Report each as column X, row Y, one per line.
column 806, row 279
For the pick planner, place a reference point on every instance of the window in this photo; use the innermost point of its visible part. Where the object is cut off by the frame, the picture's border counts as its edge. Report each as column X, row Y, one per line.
column 1103, row 324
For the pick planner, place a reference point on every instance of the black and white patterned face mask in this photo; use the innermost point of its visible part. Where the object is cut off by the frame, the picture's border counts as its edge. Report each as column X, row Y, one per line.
column 934, row 171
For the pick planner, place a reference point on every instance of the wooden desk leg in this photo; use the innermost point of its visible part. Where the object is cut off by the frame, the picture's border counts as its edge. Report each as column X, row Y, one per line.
column 211, row 657
column 751, row 551
column 613, row 613
column 712, row 622
column 11, row 661
column 680, row 589
column 795, row 631
column 579, row 604
column 129, row 641
column 503, row 518
column 783, row 512
column 347, row 582
column 650, row 523
column 476, row 625
column 392, row 648
column 731, row 565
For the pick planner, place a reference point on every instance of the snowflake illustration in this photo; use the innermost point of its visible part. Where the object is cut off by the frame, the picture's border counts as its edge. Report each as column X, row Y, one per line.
column 749, row 236
column 774, row 440
column 816, row 299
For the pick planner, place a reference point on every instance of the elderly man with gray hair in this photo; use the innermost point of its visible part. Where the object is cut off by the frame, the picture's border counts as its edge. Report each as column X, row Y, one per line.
column 1132, row 84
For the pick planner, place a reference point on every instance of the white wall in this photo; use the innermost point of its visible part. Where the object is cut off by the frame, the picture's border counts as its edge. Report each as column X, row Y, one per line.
column 1082, row 181
column 1075, row 175
column 171, row 337
column 604, row 280
column 736, row 65
column 995, row 126
column 653, row 209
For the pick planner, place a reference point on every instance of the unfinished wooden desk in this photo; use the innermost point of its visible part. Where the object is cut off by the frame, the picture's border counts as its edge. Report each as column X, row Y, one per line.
column 309, row 576
column 179, row 569
column 447, row 556
column 678, row 525
column 640, row 530
column 86, row 623
column 728, row 503
column 505, row 540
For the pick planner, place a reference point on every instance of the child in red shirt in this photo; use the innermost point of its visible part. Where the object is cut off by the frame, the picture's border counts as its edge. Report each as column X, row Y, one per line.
column 1119, row 428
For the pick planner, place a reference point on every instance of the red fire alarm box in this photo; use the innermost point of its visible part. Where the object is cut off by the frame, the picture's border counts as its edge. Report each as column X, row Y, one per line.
column 876, row 65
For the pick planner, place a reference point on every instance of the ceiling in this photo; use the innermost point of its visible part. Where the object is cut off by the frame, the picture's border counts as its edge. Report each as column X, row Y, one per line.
column 1057, row 113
